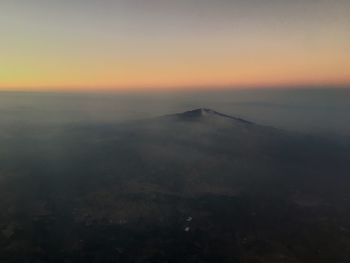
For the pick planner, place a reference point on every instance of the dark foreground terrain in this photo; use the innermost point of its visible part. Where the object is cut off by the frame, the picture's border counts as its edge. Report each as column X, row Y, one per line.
column 199, row 186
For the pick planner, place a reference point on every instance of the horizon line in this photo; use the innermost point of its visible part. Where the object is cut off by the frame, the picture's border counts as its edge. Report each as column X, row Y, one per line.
column 165, row 89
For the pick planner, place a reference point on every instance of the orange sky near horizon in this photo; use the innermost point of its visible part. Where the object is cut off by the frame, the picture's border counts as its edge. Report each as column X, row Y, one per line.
column 122, row 47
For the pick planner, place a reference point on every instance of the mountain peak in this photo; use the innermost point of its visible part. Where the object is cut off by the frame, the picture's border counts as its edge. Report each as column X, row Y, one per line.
column 199, row 112
column 205, row 112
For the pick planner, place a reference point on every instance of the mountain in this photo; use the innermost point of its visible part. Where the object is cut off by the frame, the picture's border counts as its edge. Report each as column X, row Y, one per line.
column 198, row 186
column 202, row 113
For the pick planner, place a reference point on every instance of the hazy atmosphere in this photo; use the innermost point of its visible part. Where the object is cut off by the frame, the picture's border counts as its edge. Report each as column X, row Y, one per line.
column 321, row 111
column 174, row 131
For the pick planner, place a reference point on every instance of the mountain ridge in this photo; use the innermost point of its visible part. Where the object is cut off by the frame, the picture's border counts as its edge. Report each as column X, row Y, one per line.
column 206, row 112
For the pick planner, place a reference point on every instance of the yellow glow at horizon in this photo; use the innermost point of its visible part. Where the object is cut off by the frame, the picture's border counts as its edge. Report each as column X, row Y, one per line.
column 125, row 68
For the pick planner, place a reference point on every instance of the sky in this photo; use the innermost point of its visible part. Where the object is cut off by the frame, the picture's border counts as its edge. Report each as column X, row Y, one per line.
column 166, row 44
